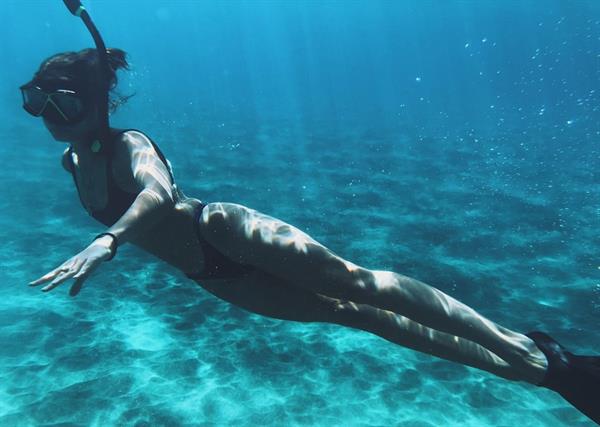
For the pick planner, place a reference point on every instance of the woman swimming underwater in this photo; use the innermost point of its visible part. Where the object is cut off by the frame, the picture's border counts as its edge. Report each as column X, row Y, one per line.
column 258, row 262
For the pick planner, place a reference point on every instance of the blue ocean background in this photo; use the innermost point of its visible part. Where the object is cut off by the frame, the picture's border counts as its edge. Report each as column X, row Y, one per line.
column 456, row 142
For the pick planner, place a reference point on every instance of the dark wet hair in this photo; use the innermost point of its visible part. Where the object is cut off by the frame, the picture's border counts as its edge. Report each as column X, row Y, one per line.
column 80, row 71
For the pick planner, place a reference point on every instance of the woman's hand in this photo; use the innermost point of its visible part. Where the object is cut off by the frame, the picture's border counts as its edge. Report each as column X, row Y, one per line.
column 78, row 267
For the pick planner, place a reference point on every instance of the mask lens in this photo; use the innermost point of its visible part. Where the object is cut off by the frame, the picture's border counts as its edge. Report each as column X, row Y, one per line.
column 34, row 100
column 61, row 107
column 69, row 104
column 52, row 114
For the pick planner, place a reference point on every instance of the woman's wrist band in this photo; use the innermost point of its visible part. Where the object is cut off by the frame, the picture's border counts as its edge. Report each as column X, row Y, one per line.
column 113, row 245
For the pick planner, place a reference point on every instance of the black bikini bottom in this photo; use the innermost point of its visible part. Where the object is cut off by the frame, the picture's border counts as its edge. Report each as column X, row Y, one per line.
column 216, row 265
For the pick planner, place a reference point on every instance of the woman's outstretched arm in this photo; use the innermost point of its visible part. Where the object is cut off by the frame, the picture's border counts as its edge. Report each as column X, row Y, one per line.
column 141, row 170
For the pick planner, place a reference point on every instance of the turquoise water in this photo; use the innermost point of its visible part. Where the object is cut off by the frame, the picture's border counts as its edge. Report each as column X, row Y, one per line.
column 454, row 143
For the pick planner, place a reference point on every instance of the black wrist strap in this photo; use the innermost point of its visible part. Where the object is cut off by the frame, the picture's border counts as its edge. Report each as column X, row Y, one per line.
column 113, row 245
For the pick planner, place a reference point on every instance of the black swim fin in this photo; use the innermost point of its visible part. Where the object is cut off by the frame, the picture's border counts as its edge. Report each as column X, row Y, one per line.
column 576, row 378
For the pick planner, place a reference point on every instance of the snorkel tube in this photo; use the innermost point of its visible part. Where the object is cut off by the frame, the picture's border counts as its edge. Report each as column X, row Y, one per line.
column 103, row 138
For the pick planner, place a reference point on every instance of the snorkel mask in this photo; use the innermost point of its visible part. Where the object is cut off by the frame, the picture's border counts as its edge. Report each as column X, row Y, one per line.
column 60, row 106
column 64, row 105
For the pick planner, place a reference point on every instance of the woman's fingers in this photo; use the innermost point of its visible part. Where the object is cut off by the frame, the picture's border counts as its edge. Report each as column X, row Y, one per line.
column 78, row 265
column 64, row 273
column 67, row 266
column 46, row 277
column 79, row 279
column 57, row 281
column 78, row 268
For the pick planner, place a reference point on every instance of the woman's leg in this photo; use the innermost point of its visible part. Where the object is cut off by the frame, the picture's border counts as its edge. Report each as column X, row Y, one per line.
column 449, row 318
column 267, row 295
column 250, row 237
column 408, row 333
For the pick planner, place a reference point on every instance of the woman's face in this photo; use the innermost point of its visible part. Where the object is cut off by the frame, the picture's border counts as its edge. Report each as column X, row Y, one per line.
column 77, row 132
column 68, row 109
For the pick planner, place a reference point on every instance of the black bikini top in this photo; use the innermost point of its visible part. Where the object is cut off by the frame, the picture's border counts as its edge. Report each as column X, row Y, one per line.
column 118, row 200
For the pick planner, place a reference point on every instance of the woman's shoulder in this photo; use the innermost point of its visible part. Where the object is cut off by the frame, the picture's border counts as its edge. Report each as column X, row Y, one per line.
column 135, row 140
column 131, row 137
column 128, row 143
column 133, row 147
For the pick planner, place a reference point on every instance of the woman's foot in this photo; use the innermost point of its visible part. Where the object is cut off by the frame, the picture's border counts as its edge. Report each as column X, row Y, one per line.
column 575, row 378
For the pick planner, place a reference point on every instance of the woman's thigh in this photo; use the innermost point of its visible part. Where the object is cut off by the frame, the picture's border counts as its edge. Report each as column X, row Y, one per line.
column 282, row 250
column 267, row 295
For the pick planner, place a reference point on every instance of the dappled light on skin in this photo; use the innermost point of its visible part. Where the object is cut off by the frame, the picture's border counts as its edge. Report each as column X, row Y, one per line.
column 350, row 266
column 406, row 332
column 147, row 167
column 395, row 307
column 273, row 231
column 213, row 209
column 143, row 170
column 154, row 195
column 384, row 280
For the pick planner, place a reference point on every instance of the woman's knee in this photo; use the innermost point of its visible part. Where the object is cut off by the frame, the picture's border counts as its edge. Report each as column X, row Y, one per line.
column 330, row 275
column 369, row 286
